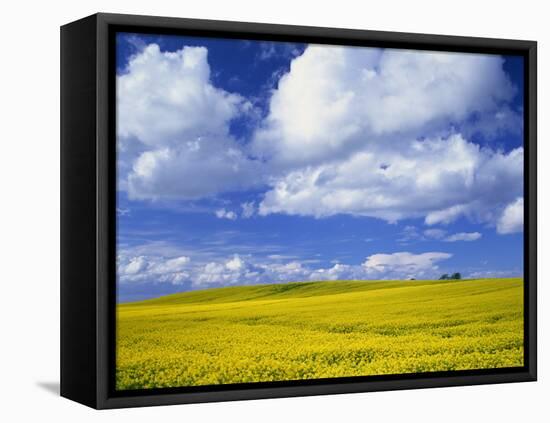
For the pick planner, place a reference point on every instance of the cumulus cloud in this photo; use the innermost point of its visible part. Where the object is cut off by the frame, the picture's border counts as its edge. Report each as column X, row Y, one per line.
column 248, row 209
column 173, row 128
column 359, row 131
column 135, row 265
column 225, row 214
column 511, row 220
column 164, row 95
column 378, row 133
column 340, row 271
column 202, row 272
column 235, row 264
column 196, row 169
column 446, row 215
column 463, row 236
column 439, row 179
column 239, row 270
column 404, row 264
column 154, row 269
column 337, row 99
column 224, row 272
column 435, row 233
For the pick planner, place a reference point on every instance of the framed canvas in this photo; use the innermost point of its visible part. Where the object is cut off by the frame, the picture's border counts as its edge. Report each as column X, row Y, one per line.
column 257, row 211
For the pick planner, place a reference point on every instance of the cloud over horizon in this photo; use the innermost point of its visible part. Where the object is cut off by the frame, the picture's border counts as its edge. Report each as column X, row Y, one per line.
column 316, row 149
column 237, row 269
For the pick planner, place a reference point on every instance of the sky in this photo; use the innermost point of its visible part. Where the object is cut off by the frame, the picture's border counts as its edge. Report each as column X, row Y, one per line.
column 243, row 162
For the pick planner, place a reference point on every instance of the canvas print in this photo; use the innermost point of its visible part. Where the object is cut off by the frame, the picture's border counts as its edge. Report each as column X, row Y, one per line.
column 290, row 212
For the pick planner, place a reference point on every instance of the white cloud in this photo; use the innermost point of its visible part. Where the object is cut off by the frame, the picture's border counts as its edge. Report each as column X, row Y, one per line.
column 235, row 263
column 411, row 233
column 155, row 269
column 225, row 214
column 495, row 123
column 445, row 216
column 338, row 99
column 463, row 236
column 435, row 233
column 199, row 271
column 120, row 211
column 339, row 271
column 172, row 265
column 195, row 169
column 408, row 234
column 273, row 49
column 214, row 273
column 135, row 265
column 225, row 272
column 281, row 256
column 439, row 179
column 360, row 131
column 494, row 274
column 377, row 133
column 404, row 264
column 164, row 96
column 248, row 209
column 511, row 220
column 173, row 128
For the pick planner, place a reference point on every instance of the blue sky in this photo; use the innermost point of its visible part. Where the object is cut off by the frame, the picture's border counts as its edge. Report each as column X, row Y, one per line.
column 243, row 162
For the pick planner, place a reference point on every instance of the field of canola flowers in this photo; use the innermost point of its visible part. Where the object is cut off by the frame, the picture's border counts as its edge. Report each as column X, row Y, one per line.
column 313, row 330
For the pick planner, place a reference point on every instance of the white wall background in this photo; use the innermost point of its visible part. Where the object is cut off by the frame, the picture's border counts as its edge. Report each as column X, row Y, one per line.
column 29, row 178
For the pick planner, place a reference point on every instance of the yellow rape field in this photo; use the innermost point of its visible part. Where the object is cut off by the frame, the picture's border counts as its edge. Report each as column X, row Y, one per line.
column 314, row 330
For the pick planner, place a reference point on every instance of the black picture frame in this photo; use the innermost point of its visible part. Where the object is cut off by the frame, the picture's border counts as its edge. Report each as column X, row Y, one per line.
column 88, row 215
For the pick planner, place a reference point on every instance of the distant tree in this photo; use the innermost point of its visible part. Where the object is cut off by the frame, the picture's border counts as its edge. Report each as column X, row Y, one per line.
column 456, row 276
column 444, row 277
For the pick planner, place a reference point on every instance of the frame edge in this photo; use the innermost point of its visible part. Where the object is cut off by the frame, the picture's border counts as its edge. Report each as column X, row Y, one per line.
column 77, row 212
column 104, row 21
